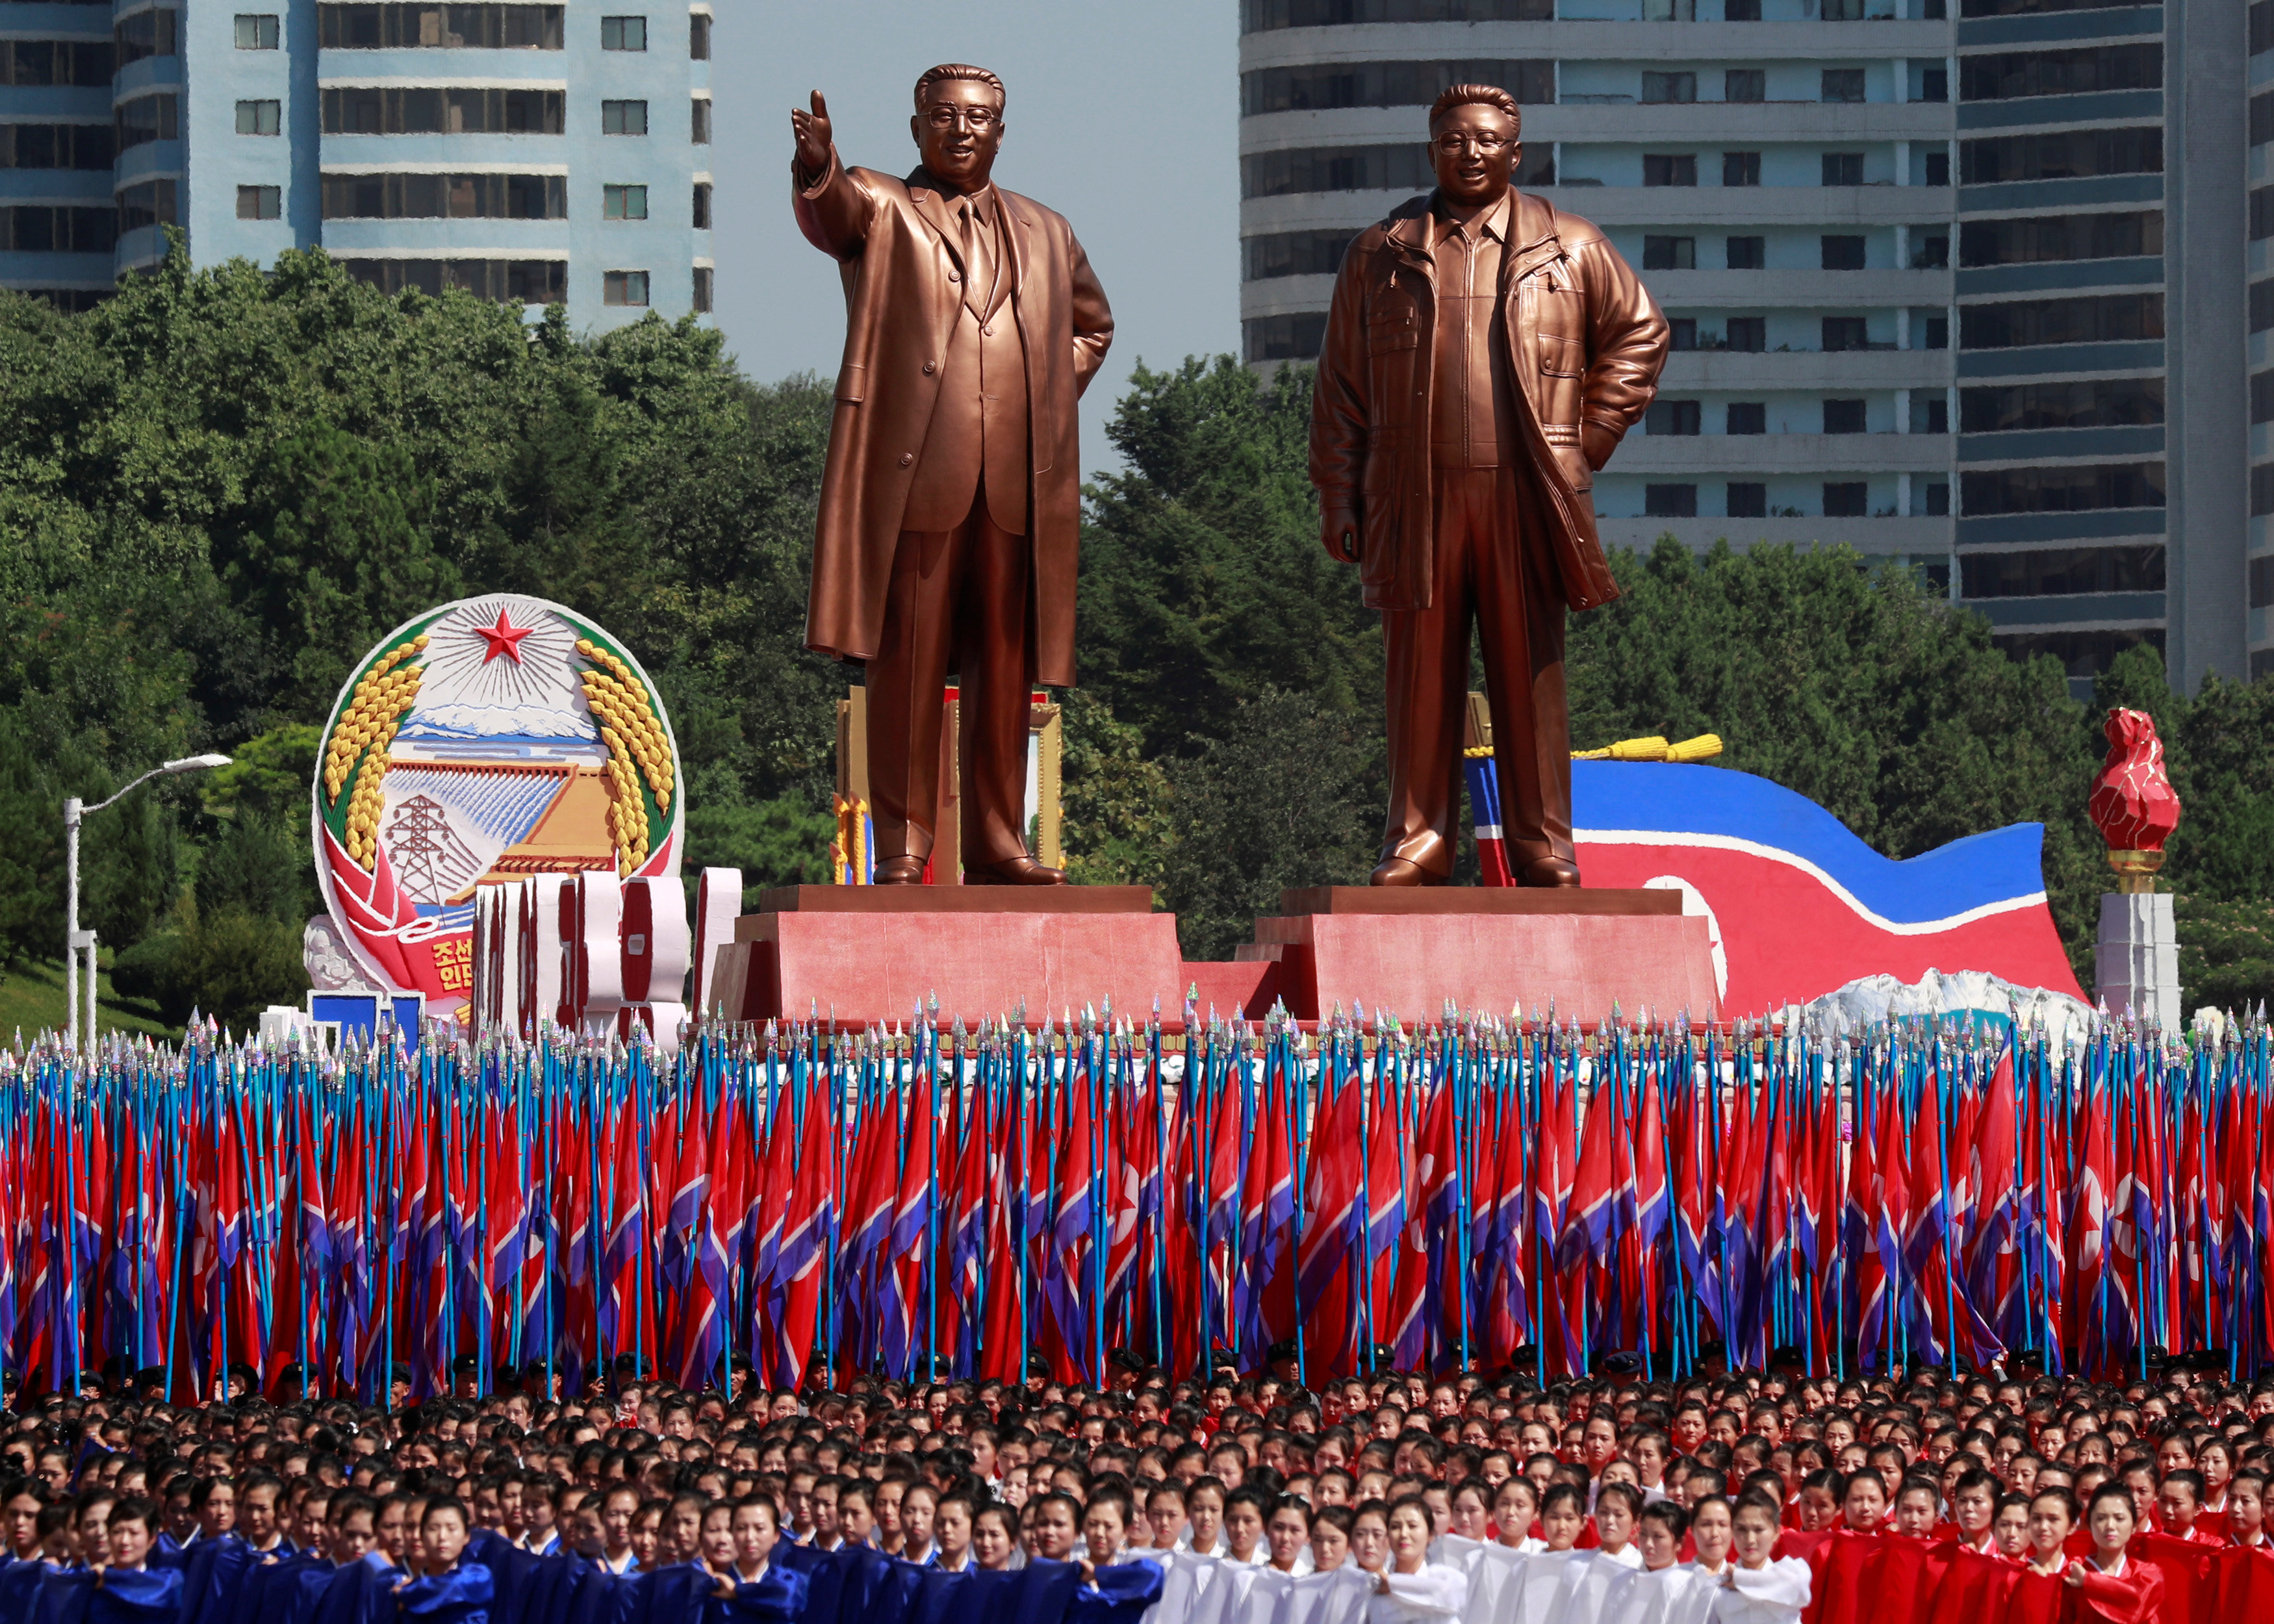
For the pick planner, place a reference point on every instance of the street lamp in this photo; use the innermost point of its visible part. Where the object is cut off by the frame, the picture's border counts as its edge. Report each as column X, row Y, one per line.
column 75, row 939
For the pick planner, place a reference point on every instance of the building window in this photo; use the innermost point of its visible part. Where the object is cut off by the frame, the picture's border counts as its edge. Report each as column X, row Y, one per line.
column 147, row 119
column 624, row 287
column 1669, row 253
column 1937, row 168
column 2003, row 75
column 256, row 31
column 1670, row 169
column 1747, row 418
column 2262, row 305
column 1405, row 167
column 152, row 203
column 701, row 205
column 1682, row 333
column 154, row 33
column 2037, row 238
column 2109, row 318
column 1295, row 253
column 1669, row 501
column 623, row 118
column 508, row 282
column 1741, row 11
column 1843, row 168
column 1747, row 253
column 2082, row 655
column 626, row 34
column 446, row 197
column 1846, row 499
column 2261, row 574
column 1749, row 334
column 1672, row 417
column 1843, row 253
column 260, row 119
column 1843, row 11
column 1934, row 85
column 2058, row 572
column 2065, row 154
column 47, row 227
column 85, row 63
column 1741, row 169
column 1841, row 85
column 1845, row 332
column 372, row 110
column 699, row 121
column 1658, row 88
column 1932, row 252
column 2262, row 491
column 62, row 146
column 259, row 202
column 401, row 24
column 1284, row 338
column 699, row 39
column 1843, row 417
column 2262, row 397
column 1929, row 412
column 1264, row 16
column 702, row 290
column 1744, row 84
column 1531, row 81
column 623, row 202
column 1938, row 499
column 1746, row 498
column 2063, row 490
column 2077, row 404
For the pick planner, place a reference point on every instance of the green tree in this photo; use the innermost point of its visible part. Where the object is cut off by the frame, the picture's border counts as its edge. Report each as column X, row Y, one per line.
column 1202, row 579
column 1288, row 796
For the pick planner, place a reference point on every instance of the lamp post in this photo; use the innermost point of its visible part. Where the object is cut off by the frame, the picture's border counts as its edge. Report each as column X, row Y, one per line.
column 74, row 938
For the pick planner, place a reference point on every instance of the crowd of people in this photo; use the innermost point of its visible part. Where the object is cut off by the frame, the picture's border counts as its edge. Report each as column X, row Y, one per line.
column 1769, row 1498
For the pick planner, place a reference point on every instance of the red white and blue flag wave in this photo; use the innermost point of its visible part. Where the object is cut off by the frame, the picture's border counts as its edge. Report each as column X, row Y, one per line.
column 1797, row 904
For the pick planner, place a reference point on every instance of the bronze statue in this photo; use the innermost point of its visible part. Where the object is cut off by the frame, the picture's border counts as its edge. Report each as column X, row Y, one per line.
column 1485, row 354
column 951, row 502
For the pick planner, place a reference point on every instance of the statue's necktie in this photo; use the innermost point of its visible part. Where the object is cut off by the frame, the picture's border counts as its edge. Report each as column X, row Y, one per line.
column 978, row 264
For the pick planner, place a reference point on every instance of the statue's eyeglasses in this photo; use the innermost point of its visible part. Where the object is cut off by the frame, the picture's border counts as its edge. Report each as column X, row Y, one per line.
column 1488, row 144
column 946, row 117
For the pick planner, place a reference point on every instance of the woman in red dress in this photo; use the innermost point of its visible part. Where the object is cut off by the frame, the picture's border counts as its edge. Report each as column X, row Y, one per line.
column 2104, row 1586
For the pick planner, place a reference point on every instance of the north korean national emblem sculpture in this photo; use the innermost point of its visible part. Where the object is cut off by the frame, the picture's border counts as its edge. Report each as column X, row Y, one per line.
column 1485, row 354
column 950, row 500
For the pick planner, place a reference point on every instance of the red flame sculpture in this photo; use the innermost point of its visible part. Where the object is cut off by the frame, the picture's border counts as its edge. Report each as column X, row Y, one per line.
column 2132, row 804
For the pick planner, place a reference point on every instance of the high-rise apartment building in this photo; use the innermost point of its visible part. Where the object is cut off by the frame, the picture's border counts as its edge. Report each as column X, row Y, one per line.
column 1963, row 290
column 534, row 153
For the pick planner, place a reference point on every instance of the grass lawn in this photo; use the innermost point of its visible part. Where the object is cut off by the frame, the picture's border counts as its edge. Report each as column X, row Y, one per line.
column 32, row 997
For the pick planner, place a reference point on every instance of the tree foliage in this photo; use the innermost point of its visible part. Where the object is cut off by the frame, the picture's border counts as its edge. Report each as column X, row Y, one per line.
column 219, row 488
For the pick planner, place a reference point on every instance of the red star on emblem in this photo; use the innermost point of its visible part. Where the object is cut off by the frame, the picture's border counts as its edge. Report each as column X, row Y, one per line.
column 503, row 638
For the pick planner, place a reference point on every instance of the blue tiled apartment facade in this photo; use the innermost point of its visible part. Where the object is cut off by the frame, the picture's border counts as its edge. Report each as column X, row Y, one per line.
column 532, row 153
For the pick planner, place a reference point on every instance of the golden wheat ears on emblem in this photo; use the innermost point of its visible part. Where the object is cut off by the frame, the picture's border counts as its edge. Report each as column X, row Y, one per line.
column 636, row 751
column 367, row 727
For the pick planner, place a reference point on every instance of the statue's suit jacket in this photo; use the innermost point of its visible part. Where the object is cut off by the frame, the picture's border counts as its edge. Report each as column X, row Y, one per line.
column 897, row 241
column 1586, row 342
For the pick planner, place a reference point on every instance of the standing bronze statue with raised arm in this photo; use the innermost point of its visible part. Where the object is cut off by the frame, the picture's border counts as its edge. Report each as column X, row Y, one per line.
column 951, row 502
column 1484, row 354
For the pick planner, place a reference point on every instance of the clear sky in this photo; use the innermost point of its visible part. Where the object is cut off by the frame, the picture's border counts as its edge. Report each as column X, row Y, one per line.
column 1123, row 118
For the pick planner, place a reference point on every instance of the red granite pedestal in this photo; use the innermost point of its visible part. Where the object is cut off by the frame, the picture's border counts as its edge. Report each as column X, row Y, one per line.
column 865, row 953
column 1488, row 950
